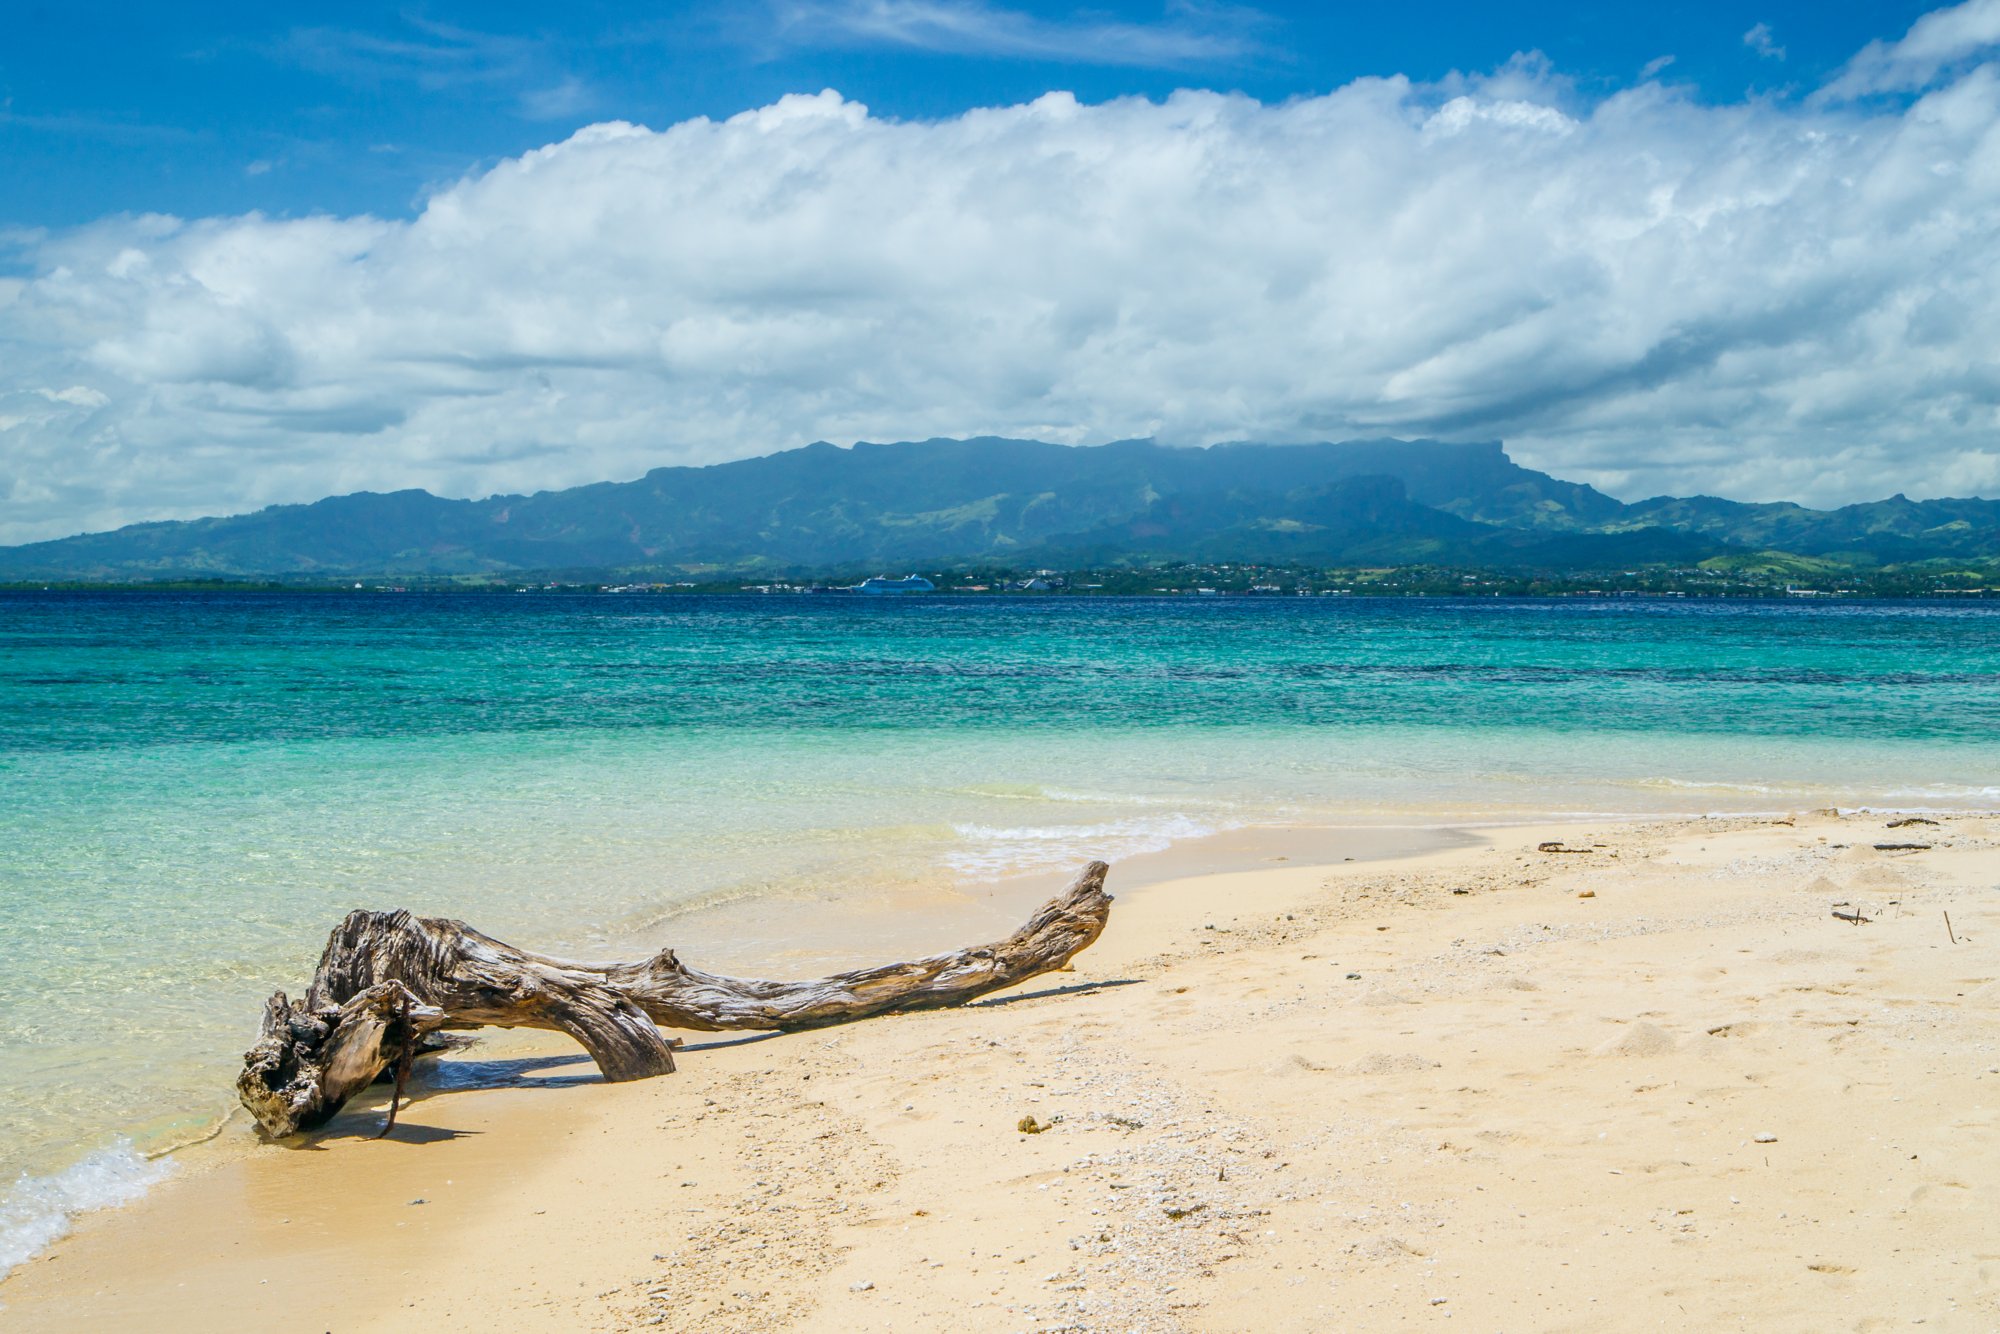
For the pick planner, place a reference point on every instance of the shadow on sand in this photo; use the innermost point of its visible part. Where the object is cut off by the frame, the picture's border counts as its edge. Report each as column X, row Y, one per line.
column 1073, row 989
column 431, row 1078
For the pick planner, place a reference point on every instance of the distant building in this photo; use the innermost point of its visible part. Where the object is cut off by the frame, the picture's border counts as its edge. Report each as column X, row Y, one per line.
column 909, row 583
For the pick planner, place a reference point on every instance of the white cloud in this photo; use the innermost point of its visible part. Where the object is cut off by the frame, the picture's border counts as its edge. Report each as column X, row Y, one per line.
column 76, row 395
column 1757, row 299
column 443, row 57
column 1759, row 39
column 564, row 99
column 1190, row 34
column 1937, row 43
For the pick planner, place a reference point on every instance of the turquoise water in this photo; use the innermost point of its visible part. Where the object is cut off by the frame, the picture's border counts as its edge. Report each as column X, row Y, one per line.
column 192, row 789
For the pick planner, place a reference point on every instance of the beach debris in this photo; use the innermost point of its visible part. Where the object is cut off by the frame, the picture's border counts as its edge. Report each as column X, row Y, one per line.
column 1028, row 1125
column 1902, row 847
column 1909, row 820
column 863, row 1286
column 1853, row 914
column 1764, row 1137
column 1556, row 845
column 388, row 981
column 1586, row 893
column 1947, row 929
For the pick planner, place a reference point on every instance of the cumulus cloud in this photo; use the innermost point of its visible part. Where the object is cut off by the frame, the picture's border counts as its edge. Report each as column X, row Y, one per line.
column 1760, row 299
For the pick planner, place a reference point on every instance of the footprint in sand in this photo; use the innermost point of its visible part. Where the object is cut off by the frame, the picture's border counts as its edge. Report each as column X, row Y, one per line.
column 1641, row 1039
column 1292, row 1064
column 1389, row 1063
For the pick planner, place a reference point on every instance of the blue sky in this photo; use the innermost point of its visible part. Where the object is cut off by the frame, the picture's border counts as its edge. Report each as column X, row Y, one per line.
column 1746, row 250
column 360, row 108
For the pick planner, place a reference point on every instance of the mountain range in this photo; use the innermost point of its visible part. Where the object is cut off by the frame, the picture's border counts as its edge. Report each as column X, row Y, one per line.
column 1021, row 503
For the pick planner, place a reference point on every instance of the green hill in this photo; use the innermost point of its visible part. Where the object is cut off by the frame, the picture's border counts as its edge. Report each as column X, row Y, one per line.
column 1377, row 502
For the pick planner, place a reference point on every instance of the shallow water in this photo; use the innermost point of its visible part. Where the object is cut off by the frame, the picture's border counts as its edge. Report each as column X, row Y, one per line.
column 193, row 788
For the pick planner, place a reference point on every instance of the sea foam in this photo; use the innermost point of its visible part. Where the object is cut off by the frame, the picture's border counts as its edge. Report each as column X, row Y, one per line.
column 38, row 1211
column 992, row 851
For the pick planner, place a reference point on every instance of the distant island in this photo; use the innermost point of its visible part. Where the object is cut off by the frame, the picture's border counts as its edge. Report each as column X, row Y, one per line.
column 1359, row 516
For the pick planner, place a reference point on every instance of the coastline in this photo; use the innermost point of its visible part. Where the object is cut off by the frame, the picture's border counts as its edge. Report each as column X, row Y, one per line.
column 1527, row 1106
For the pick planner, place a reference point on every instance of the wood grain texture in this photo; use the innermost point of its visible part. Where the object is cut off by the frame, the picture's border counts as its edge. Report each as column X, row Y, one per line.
column 388, row 980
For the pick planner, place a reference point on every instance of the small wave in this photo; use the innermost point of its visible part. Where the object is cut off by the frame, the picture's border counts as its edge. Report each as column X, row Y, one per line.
column 1062, row 795
column 1113, row 798
column 993, row 851
column 38, row 1210
column 1931, row 791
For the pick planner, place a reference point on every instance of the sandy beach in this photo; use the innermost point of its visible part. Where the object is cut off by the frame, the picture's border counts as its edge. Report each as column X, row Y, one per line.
column 1648, row 1081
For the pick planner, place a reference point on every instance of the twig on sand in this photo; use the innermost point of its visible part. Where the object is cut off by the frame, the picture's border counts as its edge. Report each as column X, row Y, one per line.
column 1947, row 929
column 403, row 1064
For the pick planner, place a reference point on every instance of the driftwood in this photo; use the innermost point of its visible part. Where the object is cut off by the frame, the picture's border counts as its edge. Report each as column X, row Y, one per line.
column 388, row 981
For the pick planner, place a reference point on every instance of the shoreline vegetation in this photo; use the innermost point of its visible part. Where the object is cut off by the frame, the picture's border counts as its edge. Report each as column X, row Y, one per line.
column 1715, row 1070
column 1777, row 579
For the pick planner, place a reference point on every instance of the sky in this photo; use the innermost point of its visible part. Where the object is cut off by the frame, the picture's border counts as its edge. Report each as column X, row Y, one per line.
column 253, row 255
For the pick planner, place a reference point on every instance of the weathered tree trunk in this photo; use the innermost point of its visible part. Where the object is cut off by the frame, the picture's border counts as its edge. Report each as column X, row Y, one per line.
column 389, row 979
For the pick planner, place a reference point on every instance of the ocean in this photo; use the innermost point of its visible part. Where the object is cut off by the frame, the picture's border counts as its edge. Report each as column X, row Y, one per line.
column 194, row 788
